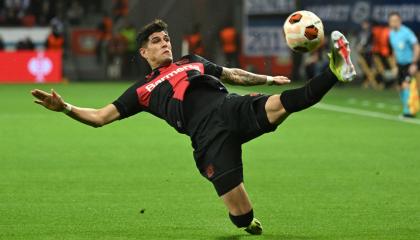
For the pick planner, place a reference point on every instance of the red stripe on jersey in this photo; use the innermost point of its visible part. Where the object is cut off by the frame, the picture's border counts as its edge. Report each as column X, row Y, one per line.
column 180, row 89
column 176, row 75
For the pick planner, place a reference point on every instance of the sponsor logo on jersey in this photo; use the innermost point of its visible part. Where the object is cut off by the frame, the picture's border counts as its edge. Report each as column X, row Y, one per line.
column 149, row 87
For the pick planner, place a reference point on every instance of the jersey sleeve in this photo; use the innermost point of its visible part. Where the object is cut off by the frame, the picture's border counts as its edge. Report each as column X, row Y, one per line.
column 209, row 67
column 412, row 39
column 127, row 104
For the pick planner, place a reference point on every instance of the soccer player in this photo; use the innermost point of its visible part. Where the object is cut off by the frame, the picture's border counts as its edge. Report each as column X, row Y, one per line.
column 406, row 50
column 189, row 95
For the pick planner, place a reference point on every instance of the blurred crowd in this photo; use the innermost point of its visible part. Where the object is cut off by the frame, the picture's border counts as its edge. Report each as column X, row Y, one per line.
column 375, row 55
column 54, row 41
column 58, row 15
column 31, row 13
column 116, row 47
column 28, row 12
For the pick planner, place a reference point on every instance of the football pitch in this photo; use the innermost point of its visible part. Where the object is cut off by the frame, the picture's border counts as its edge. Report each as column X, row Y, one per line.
column 346, row 169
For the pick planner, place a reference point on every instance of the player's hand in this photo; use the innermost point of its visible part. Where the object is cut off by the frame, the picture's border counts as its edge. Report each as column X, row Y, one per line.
column 412, row 69
column 51, row 101
column 280, row 80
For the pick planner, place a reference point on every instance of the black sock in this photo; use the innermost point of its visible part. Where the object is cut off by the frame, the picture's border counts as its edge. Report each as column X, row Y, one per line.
column 242, row 220
column 298, row 99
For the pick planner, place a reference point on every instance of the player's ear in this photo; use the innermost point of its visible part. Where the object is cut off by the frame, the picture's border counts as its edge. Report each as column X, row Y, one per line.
column 143, row 52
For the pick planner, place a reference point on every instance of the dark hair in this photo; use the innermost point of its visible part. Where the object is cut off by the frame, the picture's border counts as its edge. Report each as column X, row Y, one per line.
column 394, row 13
column 157, row 25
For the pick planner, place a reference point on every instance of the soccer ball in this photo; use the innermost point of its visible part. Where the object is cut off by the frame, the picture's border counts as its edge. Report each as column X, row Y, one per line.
column 303, row 31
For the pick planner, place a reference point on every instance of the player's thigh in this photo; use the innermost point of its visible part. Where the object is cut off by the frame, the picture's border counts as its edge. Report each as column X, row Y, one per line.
column 220, row 162
column 275, row 111
column 237, row 201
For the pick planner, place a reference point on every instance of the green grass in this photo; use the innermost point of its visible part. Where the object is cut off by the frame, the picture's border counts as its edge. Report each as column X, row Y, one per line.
column 321, row 175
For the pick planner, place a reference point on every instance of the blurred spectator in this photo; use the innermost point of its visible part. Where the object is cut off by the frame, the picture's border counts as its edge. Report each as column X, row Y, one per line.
column 310, row 63
column 2, row 13
column 75, row 13
column 316, row 61
column 11, row 17
column 25, row 44
column 28, row 12
column 381, row 41
column 15, row 11
column 120, row 9
column 129, row 33
column 195, row 43
column 57, row 25
column 28, row 20
column 381, row 51
column 364, row 41
column 116, row 49
column 19, row 6
column 105, row 34
column 55, row 40
column 44, row 11
column 364, row 50
column 229, row 42
column 2, row 45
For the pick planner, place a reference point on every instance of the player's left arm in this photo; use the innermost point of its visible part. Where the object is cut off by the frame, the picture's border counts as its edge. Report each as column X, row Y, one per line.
column 236, row 76
column 416, row 53
column 89, row 116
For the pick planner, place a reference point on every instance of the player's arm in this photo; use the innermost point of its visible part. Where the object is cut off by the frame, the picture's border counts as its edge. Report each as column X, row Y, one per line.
column 236, row 76
column 412, row 39
column 416, row 55
column 89, row 116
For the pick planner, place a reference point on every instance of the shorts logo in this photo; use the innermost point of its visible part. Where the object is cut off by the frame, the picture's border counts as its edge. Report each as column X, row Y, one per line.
column 210, row 171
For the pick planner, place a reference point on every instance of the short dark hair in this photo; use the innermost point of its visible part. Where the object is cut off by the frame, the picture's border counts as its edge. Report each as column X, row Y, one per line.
column 158, row 25
column 394, row 13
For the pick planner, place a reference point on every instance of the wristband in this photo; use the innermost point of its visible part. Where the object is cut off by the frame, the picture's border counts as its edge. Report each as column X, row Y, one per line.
column 270, row 80
column 67, row 108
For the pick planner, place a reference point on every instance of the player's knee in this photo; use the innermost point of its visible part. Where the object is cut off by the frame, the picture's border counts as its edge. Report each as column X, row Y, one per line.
column 276, row 113
column 242, row 220
column 405, row 85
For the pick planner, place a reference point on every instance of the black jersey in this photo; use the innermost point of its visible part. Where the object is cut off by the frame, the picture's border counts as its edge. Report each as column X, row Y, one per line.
column 162, row 92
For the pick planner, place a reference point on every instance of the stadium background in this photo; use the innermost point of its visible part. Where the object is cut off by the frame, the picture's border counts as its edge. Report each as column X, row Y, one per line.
column 92, row 42
column 346, row 169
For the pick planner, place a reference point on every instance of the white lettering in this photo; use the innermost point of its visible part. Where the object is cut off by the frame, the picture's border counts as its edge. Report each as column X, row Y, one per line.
column 151, row 86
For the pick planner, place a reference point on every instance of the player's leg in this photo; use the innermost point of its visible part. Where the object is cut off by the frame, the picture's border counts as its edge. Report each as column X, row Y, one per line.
column 240, row 210
column 237, row 201
column 278, row 107
column 222, row 165
column 405, row 94
column 404, row 89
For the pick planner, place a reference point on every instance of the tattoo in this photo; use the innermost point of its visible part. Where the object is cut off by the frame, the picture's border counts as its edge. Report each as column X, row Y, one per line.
column 237, row 76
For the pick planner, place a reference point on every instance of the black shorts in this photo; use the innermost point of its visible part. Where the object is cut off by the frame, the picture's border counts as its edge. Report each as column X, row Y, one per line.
column 403, row 73
column 219, row 134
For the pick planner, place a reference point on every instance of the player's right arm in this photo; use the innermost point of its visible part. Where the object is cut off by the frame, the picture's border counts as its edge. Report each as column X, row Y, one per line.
column 236, row 76
column 89, row 116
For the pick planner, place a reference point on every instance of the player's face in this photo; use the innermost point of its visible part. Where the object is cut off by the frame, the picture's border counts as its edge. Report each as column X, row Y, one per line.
column 394, row 22
column 158, row 50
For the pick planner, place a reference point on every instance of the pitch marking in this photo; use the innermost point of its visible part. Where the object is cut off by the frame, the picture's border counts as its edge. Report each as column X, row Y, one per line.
column 365, row 113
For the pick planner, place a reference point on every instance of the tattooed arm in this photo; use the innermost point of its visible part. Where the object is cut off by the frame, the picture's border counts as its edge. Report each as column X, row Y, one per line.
column 236, row 76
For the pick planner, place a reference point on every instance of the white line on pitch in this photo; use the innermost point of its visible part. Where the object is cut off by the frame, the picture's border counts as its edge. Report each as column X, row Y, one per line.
column 365, row 113
column 360, row 112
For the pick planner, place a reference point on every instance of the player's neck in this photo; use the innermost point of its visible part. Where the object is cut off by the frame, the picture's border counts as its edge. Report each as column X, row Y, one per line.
column 159, row 65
